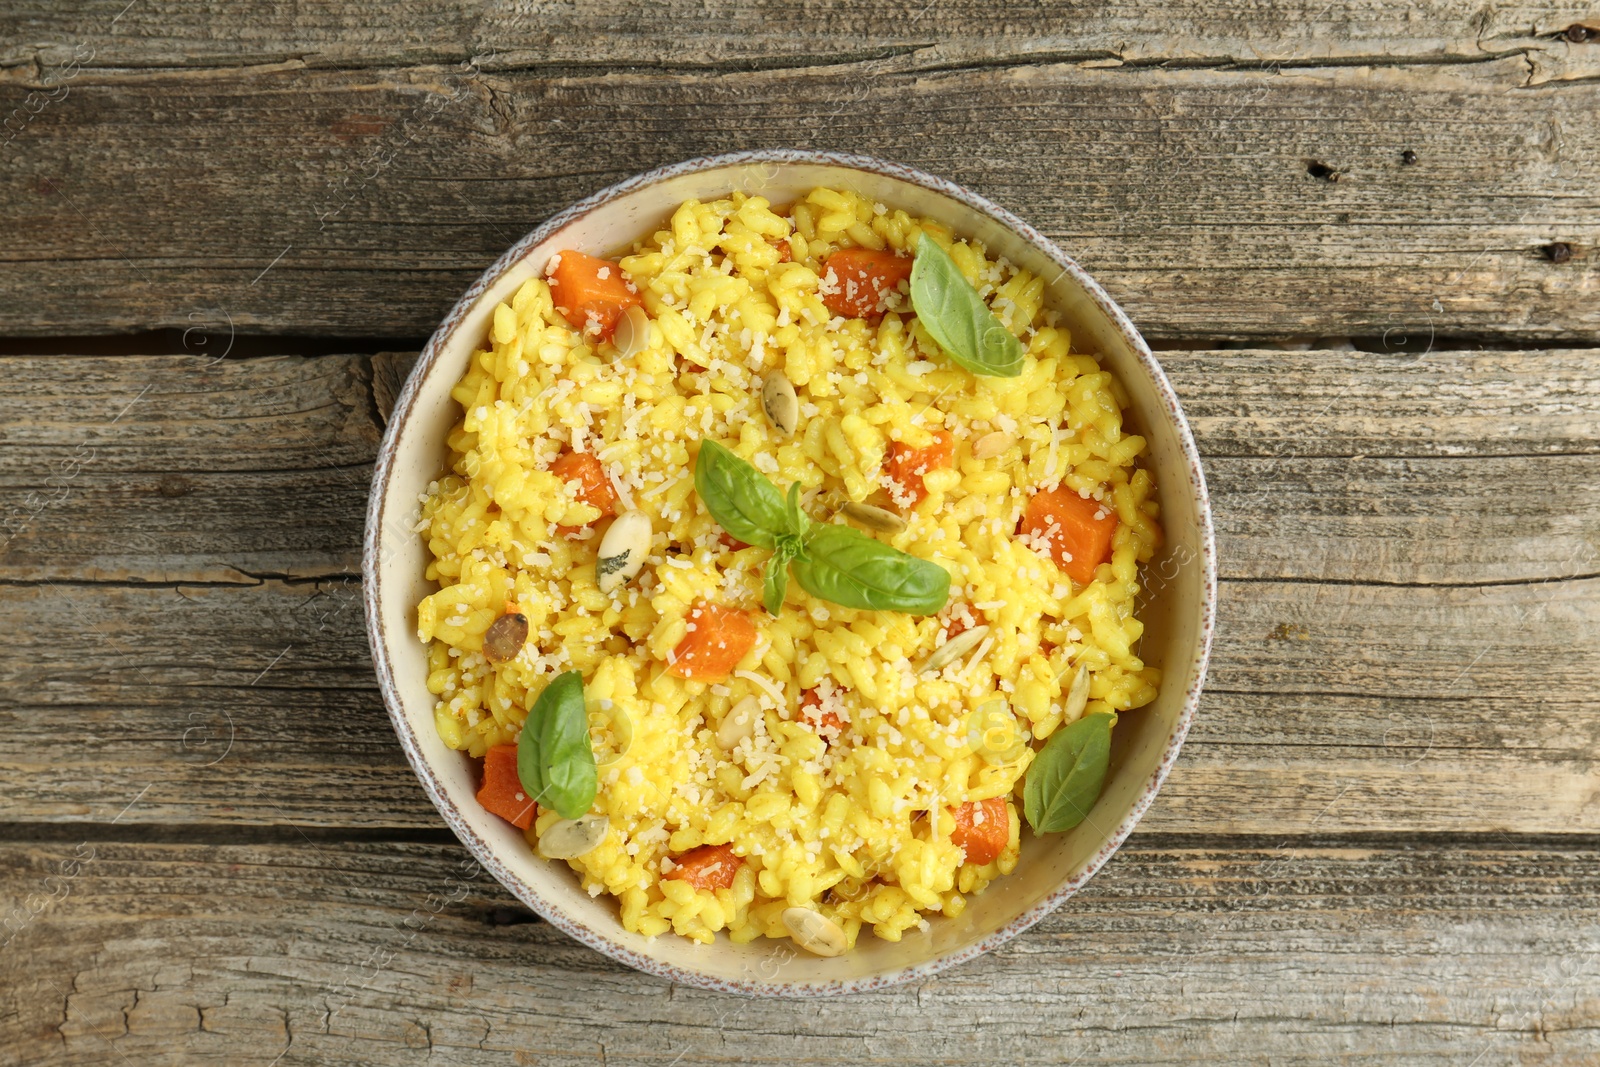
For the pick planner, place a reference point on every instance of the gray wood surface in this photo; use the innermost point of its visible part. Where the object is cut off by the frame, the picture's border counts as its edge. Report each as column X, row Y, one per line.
column 675, row 34
column 340, row 201
column 1287, row 952
column 1382, row 842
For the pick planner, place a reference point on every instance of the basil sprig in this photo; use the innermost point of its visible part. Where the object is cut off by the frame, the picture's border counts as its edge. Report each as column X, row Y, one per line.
column 788, row 546
column 743, row 502
column 837, row 563
column 555, row 758
column 955, row 315
column 1064, row 779
column 846, row 566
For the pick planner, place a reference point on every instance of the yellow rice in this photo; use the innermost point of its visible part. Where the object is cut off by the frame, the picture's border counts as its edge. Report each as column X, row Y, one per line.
column 846, row 828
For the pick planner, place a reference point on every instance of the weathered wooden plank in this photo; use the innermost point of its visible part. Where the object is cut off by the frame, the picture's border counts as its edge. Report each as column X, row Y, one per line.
column 181, row 468
column 184, row 413
column 786, row 33
column 1442, row 402
column 1261, row 764
column 195, row 526
column 1333, row 707
column 361, row 203
column 331, row 954
column 1323, row 465
column 1407, row 521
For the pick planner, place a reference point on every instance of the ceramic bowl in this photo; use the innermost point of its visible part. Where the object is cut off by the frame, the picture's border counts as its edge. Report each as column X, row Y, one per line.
column 1178, row 606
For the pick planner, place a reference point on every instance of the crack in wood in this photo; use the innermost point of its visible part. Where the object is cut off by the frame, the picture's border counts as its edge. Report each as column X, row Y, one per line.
column 822, row 62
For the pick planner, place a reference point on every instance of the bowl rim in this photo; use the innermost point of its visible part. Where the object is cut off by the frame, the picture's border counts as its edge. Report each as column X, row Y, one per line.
column 485, row 854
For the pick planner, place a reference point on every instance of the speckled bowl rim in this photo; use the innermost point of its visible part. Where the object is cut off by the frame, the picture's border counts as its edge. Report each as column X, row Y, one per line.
column 485, row 854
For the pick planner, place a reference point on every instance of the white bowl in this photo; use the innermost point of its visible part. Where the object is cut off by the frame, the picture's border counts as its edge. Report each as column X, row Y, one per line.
column 1178, row 610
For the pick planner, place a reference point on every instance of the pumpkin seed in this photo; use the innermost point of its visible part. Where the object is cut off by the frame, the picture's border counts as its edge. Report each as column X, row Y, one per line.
column 505, row 637
column 814, row 931
column 633, row 333
column 780, row 403
column 573, row 837
column 738, row 724
column 622, row 550
column 955, row 648
column 992, row 444
column 1077, row 696
column 873, row 518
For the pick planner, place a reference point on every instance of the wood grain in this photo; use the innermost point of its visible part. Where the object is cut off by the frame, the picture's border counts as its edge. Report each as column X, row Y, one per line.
column 184, row 413
column 336, row 953
column 363, row 202
column 1389, row 403
column 677, row 35
column 183, row 468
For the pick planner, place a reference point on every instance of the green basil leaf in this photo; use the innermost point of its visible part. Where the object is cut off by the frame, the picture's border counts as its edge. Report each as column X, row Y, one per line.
column 743, row 502
column 1064, row 780
column 955, row 315
column 775, row 581
column 799, row 521
column 848, row 567
column 836, row 563
column 555, row 758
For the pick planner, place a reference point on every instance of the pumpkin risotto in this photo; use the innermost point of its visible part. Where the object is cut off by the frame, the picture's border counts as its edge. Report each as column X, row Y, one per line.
column 652, row 446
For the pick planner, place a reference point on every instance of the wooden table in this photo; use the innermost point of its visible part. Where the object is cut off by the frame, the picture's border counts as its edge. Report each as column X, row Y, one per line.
column 227, row 229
